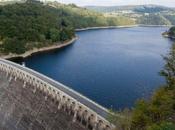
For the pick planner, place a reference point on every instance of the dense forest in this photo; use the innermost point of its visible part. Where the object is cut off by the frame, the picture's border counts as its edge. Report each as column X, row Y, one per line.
column 31, row 24
column 81, row 17
column 158, row 113
column 24, row 26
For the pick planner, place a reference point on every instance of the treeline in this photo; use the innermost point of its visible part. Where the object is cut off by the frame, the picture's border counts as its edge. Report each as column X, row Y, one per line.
column 171, row 32
column 31, row 24
column 81, row 17
column 24, row 26
column 159, row 112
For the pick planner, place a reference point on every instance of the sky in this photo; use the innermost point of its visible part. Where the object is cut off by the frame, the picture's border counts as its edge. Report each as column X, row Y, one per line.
column 170, row 3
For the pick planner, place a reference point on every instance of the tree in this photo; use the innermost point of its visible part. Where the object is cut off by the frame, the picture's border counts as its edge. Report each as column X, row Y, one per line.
column 169, row 69
column 31, row 25
column 172, row 31
column 140, row 118
column 122, row 119
column 162, row 126
column 159, row 112
column 14, row 45
column 54, row 35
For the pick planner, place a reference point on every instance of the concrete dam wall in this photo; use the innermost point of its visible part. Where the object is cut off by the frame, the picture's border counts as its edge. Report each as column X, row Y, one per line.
column 32, row 101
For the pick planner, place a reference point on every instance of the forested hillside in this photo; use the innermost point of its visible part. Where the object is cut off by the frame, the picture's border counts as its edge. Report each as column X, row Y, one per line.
column 24, row 26
column 79, row 17
column 142, row 14
column 154, row 19
column 28, row 25
column 134, row 8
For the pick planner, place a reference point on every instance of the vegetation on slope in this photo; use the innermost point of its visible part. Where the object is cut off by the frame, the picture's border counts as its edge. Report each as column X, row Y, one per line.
column 150, row 9
column 159, row 112
column 134, row 8
column 81, row 17
column 170, row 18
column 28, row 25
column 171, row 32
column 153, row 19
column 24, row 26
column 143, row 14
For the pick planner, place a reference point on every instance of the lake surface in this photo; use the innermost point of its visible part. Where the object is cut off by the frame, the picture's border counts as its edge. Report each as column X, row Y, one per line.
column 113, row 67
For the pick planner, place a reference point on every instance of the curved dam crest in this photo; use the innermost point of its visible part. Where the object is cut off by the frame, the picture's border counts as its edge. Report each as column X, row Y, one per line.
column 107, row 64
column 21, row 89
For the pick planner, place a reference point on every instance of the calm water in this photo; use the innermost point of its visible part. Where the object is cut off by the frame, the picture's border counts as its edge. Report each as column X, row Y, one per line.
column 113, row 67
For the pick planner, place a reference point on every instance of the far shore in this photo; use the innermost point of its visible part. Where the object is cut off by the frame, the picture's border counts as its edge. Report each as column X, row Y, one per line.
column 104, row 27
column 61, row 45
column 125, row 26
column 168, row 36
column 38, row 50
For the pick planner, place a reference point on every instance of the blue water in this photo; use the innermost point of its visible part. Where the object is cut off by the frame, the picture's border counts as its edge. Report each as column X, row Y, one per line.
column 113, row 67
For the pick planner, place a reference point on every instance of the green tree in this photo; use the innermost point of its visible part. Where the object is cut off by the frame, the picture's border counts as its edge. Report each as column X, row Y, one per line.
column 14, row 45
column 172, row 31
column 33, row 24
column 169, row 69
column 54, row 35
column 140, row 118
column 162, row 126
column 121, row 119
column 158, row 113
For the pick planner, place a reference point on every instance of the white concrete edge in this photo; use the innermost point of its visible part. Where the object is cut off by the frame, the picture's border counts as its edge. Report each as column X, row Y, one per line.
column 25, row 68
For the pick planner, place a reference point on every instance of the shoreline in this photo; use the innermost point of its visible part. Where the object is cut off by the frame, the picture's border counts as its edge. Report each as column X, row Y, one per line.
column 39, row 50
column 104, row 27
column 125, row 26
column 168, row 36
column 67, row 43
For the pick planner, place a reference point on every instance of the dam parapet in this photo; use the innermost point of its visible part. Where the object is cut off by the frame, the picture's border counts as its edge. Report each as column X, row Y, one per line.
column 45, row 103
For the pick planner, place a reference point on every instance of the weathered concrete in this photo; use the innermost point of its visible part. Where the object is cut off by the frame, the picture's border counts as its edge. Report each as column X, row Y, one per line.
column 29, row 100
column 22, row 109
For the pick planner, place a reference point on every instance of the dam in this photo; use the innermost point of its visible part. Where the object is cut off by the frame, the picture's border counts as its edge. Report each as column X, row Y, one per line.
column 30, row 100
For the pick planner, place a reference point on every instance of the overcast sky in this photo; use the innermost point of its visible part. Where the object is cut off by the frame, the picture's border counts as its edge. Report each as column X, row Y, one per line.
column 119, row 2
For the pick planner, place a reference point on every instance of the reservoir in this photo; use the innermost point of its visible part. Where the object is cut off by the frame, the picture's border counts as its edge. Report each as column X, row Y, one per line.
column 113, row 67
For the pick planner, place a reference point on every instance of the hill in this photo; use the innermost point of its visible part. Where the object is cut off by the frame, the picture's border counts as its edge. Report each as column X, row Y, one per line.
column 134, row 8
column 155, row 19
column 82, row 17
column 142, row 14
column 28, row 25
